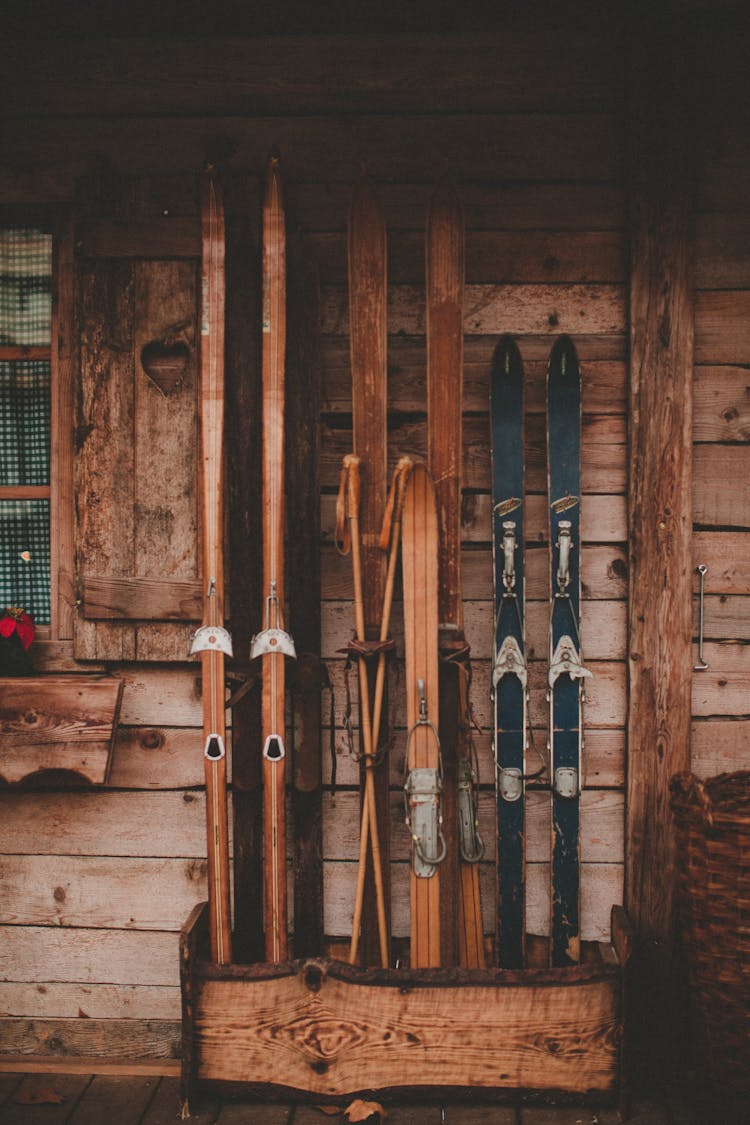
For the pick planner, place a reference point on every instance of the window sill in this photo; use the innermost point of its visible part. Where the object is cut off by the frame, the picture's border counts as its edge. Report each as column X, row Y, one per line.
column 58, row 723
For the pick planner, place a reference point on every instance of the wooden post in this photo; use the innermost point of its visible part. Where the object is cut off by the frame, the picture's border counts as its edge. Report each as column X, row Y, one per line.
column 660, row 505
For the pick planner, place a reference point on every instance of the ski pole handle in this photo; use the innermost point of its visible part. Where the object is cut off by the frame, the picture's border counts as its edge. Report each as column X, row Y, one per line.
column 351, row 465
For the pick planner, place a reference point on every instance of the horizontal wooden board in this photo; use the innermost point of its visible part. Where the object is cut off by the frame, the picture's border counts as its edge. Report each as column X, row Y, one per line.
column 373, row 73
column 164, row 237
column 724, row 688
column 603, row 452
column 602, row 821
column 90, row 1001
column 132, row 599
column 586, row 146
column 603, row 574
column 518, row 309
column 722, row 251
column 603, row 378
column 722, row 326
column 493, row 257
column 719, row 746
column 134, row 1039
column 603, row 518
column 725, row 618
column 347, row 1027
column 721, row 404
column 603, row 629
column 104, row 823
column 46, row 954
column 99, row 892
column 601, row 888
column 726, row 555
column 721, row 485
column 157, row 758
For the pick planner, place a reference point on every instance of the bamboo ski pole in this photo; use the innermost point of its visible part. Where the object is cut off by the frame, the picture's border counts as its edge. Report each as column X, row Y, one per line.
column 212, row 641
column 390, row 541
column 351, row 468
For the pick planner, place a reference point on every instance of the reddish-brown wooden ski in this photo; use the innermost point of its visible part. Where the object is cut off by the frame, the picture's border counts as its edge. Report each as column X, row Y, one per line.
column 273, row 643
column 212, row 640
column 444, row 269
column 368, row 354
column 419, row 550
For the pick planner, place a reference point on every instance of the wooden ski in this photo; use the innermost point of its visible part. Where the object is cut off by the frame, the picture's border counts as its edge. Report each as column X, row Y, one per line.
column 423, row 796
column 273, row 644
column 509, row 674
column 566, row 672
column 461, row 929
column 366, row 247
column 212, row 641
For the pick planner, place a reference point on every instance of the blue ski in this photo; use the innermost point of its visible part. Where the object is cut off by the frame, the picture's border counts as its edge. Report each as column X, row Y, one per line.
column 566, row 672
column 509, row 679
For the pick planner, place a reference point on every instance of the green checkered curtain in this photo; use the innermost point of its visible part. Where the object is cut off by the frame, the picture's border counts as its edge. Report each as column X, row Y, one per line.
column 25, row 319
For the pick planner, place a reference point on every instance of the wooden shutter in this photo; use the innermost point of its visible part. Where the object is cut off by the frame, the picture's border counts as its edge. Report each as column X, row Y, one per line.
column 137, row 549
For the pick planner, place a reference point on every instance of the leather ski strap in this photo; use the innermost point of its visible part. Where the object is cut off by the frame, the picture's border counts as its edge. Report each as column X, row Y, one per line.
column 212, row 641
column 462, row 934
column 419, row 538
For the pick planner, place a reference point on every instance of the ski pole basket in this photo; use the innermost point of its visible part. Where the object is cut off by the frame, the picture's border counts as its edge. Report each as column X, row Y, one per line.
column 712, row 820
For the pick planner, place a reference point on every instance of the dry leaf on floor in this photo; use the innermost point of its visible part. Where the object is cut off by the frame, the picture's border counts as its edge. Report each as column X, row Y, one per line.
column 328, row 1110
column 39, row 1095
column 361, row 1111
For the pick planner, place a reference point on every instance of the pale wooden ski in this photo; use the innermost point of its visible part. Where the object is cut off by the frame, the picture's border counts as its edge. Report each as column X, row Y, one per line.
column 419, row 550
column 212, row 641
column 444, row 269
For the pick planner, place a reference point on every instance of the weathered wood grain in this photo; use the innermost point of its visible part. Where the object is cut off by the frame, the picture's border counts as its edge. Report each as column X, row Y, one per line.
column 722, row 326
column 53, row 1000
column 109, row 1038
column 719, row 746
column 518, row 309
column 375, row 72
column 721, row 485
column 539, row 146
column 320, row 1039
column 105, row 599
column 724, row 688
column 116, row 893
column 721, row 398
column 50, row 953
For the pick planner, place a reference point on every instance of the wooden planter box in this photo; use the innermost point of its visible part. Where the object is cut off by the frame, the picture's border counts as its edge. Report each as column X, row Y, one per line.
column 58, row 723
column 323, row 1030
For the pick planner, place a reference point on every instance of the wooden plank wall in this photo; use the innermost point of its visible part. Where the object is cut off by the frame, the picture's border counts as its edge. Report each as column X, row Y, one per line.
column 721, row 449
column 95, row 884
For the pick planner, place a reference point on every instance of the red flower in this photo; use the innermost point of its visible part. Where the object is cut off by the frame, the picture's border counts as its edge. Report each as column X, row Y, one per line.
column 16, row 620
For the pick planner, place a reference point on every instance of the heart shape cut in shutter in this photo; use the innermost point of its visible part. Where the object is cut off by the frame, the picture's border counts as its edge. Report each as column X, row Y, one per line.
column 166, row 363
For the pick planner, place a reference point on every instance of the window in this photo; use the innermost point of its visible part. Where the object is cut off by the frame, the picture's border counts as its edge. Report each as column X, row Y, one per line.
column 35, row 411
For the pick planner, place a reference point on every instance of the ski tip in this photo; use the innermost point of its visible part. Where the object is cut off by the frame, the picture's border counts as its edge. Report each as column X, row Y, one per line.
column 274, row 157
column 506, row 356
column 219, row 152
column 563, row 347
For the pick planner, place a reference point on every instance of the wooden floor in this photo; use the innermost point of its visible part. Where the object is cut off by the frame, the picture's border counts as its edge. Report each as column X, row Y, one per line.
column 54, row 1099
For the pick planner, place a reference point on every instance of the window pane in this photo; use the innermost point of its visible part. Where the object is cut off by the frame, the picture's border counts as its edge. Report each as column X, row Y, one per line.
column 24, row 557
column 25, row 286
column 24, row 422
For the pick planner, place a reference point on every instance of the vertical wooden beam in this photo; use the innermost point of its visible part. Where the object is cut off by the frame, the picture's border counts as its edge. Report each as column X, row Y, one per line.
column 660, row 499
column 243, row 391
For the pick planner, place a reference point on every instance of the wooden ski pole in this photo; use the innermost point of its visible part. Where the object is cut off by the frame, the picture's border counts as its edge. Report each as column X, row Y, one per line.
column 351, row 468
column 390, row 540
column 212, row 641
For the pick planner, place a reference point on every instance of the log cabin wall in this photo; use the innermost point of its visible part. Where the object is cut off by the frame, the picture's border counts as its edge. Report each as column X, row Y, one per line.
column 96, row 883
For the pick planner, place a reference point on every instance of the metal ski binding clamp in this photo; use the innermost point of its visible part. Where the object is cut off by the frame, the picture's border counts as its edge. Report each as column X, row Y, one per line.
column 566, row 659
column 272, row 639
column 211, row 638
column 424, row 820
column 214, row 749
column 510, row 781
column 509, row 662
column 564, row 544
column 422, row 793
column 471, row 843
column 509, row 554
column 273, row 748
column 566, row 782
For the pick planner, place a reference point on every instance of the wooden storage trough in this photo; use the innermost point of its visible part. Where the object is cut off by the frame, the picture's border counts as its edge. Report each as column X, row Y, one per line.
column 324, row 1030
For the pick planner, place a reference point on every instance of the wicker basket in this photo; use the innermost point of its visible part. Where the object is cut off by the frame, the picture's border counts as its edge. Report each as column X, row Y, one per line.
column 712, row 820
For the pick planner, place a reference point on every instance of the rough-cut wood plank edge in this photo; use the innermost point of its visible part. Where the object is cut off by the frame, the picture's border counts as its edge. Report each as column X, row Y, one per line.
column 139, row 599
column 89, row 1064
column 84, row 750
column 84, row 1038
